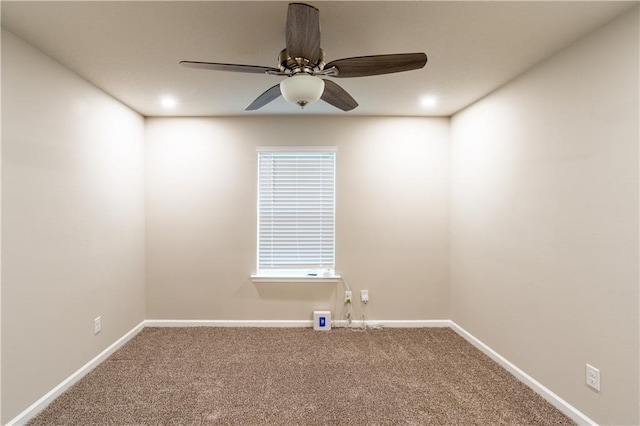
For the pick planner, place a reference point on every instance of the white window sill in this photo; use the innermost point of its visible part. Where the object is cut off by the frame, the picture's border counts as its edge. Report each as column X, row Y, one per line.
column 332, row 279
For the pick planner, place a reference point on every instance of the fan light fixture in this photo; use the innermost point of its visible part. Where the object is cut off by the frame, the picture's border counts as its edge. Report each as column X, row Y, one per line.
column 302, row 63
column 302, row 89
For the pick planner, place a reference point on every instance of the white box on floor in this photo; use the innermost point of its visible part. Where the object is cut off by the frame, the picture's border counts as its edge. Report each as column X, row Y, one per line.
column 322, row 320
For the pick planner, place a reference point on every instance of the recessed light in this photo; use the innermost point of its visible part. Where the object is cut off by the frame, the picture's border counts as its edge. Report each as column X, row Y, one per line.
column 168, row 102
column 429, row 101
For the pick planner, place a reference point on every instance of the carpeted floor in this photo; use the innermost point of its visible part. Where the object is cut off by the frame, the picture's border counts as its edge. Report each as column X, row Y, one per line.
column 289, row 376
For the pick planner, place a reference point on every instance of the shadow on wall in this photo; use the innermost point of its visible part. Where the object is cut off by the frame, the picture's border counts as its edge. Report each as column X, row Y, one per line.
column 296, row 292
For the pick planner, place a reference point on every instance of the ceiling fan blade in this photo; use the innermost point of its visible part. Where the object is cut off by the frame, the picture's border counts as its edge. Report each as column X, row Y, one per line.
column 253, row 69
column 265, row 98
column 337, row 96
column 303, row 32
column 378, row 64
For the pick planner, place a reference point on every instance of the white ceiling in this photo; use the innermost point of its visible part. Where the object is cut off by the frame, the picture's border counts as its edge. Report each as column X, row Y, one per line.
column 132, row 49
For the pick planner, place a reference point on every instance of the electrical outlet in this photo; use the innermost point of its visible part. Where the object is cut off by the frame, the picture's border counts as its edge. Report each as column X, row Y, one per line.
column 593, row 377
column 364, row 296
column 97, row 325
column 347, row 296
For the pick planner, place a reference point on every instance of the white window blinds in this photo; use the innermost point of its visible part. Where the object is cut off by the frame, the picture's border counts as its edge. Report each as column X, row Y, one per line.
column 296, row 211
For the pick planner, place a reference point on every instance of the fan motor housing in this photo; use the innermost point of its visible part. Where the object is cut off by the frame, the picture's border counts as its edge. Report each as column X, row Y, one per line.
column 300, row 65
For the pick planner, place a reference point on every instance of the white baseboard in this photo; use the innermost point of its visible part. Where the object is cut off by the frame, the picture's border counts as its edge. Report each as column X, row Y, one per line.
column 540, row 389
column 228, row 323
column 393, row 323
column 293, row 323
column 562, row 405
column 412, row 323
column 40, row 404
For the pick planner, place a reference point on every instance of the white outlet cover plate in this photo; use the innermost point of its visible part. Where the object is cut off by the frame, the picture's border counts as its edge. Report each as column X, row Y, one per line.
column 592, row 377
column 97, row 325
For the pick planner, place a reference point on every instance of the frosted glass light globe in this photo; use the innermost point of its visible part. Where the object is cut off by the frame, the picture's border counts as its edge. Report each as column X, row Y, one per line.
column 302, row 89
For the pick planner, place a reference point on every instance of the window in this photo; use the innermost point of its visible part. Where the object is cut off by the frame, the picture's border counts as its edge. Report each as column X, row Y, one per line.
column 296, row 212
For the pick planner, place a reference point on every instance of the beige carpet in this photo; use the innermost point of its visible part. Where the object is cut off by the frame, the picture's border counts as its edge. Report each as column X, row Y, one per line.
column 288, row 376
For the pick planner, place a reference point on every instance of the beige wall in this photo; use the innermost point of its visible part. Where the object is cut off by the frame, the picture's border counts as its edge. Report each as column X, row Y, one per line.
column 72, row 221
column 544, row 220
column 392, row 228
column 0, row 245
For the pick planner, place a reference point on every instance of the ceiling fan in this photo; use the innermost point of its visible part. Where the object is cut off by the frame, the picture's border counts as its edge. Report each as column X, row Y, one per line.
column 302, row 62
